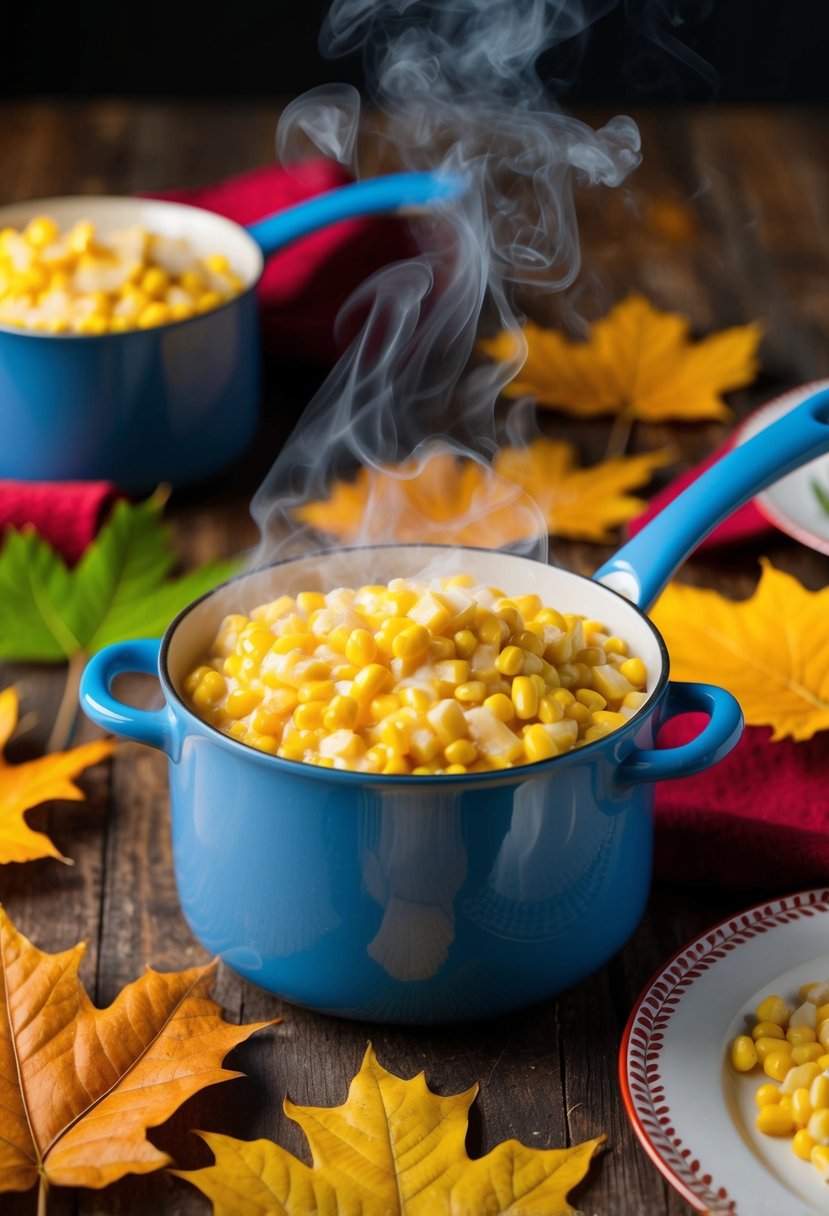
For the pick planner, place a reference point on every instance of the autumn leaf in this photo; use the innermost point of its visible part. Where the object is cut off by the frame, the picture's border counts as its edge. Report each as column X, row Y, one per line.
column 771, row 650
column 119, row 590
column 438, row 499
column 637, row 360
column 393, row 1148
column 452, row 501
column 23, row 786
column 79, row 1086
column 579, row 503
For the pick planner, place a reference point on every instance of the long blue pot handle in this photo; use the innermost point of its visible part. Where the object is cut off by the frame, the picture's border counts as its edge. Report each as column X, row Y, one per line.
column 721, row 733
column 643, row 567
column 369, row 197
column 157, row 727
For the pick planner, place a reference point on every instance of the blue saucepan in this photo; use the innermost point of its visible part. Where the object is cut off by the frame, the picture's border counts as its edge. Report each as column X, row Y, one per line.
column 427, row 899
column 178, row 402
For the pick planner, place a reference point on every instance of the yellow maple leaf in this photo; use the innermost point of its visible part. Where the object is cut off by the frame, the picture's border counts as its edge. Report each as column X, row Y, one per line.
column 771, row 650
column 451, row 501
column 393, row 1148
column 23, row 786
column 637, row 360
column 79, row 1086
column 579, row 503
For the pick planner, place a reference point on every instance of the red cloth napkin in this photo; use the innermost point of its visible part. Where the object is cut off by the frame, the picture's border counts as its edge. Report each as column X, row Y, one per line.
column 760, row 818
column 67, row 513
column 304, row 286
column 745, row 524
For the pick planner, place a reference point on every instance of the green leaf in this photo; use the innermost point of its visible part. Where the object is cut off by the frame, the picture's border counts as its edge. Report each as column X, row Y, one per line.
column 821, row 495
column 119, row 589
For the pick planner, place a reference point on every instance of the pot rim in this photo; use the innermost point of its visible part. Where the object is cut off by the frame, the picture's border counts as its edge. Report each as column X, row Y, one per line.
column 38, row 205
column 506, row 776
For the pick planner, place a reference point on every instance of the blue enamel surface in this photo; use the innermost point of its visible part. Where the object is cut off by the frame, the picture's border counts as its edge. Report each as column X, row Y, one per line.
column 715, row 741
column 643, row 567
column 408, row 899
column 176, row 403
column 369, row 197
column 155, row 727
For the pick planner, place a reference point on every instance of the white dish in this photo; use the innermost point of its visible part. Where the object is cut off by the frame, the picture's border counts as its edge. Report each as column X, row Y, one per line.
column 693, row 1114
column 791, row 503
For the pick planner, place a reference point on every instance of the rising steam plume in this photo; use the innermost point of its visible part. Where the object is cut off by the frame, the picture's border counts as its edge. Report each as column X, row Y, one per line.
column 453, row 85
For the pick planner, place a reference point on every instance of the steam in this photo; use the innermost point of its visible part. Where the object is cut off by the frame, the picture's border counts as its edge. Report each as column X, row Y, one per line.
column 456, row 88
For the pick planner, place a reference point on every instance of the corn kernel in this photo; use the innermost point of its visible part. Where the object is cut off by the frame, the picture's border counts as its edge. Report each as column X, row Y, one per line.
column 743, row 1053
column 593, row 700
column 41, row 231
column 802, row 1145
column 524, row 697
column 806, row 1053
column 308, row 715
column 501, row 706
column 766, row 1094
column 462, row 751
column 473, row 691
column 510, row 661
column 773, row 1009
column 635, row 671
column 539, row 744
column 370, row 681
column 411, row 642
column 465, row 643
column 241, row 702
column 818, row 1127
column 764, row 1047
column 819, row 1092
column 360, row 649
column 774, row 1121
column 155, row 283
column 777, row 1064
column 154, row 314
column 768, row 1030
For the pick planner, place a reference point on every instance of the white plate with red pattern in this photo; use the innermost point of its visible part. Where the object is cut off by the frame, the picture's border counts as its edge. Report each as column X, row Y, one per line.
column 791, row 503
column 693, row 1114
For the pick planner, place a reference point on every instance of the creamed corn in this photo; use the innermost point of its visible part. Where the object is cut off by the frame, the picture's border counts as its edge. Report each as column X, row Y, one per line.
column 415, row 677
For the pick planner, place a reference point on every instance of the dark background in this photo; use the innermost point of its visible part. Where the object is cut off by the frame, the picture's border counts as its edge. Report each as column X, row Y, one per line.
column 641, row 51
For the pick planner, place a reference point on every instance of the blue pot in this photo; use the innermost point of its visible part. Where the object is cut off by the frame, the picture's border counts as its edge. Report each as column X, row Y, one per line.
column 410, row 899
column 177, row 403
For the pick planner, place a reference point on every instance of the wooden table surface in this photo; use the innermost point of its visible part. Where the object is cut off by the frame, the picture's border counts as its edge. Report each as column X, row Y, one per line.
column 754, row 183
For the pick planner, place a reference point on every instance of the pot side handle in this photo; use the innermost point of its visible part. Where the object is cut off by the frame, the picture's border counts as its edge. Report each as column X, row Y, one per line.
column 157, row 727
column 716, row 740
column 645, row 565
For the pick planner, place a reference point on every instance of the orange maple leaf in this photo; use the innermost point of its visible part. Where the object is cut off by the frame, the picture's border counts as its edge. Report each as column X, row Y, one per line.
column 23, row 786
column 437, row 499
column 637, row 360
column 451, row 501
column 579, row 503
column 393, row 1148
column 79, row 1086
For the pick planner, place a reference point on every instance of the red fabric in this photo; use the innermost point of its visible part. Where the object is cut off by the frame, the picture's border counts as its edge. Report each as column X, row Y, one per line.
column 304, row 286
column 745, row 524
column 68, row 513
column 759, row 818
